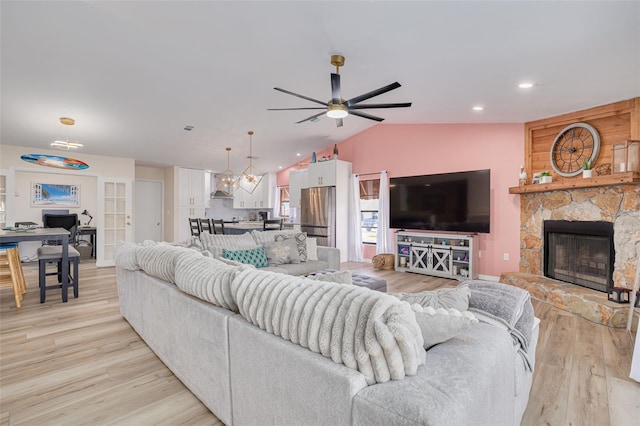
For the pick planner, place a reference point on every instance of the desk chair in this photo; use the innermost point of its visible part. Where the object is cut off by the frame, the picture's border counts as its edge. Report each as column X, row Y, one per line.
column 270, row 224
column 205, row 225
column 11, row 274
column 194, row 226
column 53, row 254
column 217, row 226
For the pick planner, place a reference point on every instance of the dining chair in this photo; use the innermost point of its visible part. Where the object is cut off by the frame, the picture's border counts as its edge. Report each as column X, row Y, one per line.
column 217, row 226
column 52, row 254
column 271, row 224
column 194, row 226
column 11, row 274
column 205, row 225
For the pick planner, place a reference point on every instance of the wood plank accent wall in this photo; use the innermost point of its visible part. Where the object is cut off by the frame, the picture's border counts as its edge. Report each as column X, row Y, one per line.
column 614, row 122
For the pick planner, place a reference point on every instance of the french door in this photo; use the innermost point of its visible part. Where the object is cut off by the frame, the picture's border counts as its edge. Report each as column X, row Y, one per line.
column 114, row 205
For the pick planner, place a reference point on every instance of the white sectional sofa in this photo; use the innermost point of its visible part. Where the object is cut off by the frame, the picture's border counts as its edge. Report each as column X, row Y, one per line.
column 247, row 376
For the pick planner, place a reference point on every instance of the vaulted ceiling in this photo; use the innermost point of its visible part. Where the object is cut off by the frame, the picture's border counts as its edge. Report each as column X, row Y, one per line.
column 134, row 74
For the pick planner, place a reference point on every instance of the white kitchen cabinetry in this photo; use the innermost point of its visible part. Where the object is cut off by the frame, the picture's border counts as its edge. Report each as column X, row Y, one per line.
column 192, row 200
column 261, row 198
column 298, row 180
column 325, row 173
column 442, row 255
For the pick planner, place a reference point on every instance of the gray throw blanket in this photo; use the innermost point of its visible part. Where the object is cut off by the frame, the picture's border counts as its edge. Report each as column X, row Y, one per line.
column 507, row 305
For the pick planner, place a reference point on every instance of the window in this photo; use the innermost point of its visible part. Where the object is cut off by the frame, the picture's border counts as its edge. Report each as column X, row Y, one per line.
column 284, row 201
column 369, row 205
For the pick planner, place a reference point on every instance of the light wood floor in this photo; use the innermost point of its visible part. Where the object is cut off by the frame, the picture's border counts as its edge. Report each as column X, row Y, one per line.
column 81, row 363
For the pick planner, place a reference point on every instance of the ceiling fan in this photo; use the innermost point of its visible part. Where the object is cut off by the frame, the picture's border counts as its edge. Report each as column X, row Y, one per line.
column 339, row 108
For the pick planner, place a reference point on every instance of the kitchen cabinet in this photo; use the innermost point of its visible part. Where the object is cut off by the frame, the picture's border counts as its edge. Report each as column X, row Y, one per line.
column 192, row 199
column 261, row 198
column 328, row 173
column 298, row 180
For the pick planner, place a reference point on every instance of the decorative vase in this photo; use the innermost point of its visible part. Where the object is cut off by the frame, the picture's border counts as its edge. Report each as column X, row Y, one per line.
column 313, row 157
column 335, row 151
column 587, row 173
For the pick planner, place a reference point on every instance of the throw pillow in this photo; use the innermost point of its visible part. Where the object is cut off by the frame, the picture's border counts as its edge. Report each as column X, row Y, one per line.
column 342, row 277
column 440, row 325
column 192, row 242
column 233, row 262
column 282, row 252
column 456, row 298
column 301, row 241
column 312, row 249
column 254, row 256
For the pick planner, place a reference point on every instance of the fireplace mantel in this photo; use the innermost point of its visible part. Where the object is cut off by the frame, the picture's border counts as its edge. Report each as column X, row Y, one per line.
column 579, row 182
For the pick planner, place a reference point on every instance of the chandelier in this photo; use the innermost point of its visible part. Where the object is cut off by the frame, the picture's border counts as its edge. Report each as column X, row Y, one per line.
column 250, row 177
column 227, row 179
column 66, row 145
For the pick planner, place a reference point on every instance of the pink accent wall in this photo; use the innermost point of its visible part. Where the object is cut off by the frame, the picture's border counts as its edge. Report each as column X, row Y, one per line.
column 415, row 149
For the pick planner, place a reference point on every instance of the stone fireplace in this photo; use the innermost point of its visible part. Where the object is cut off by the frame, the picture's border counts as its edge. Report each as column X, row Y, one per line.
column 579, row 252
column 616, row 204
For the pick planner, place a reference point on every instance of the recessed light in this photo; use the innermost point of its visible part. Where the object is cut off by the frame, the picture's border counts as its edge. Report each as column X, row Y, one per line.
column 298, row 154
column 525, row 85
column 478, row 108
column 280, row 167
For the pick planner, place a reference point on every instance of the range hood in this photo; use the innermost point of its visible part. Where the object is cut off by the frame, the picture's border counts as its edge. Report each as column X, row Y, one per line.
column 220, row 194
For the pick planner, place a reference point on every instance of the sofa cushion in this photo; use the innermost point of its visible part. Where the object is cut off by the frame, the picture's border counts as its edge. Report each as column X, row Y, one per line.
column 302, row 268
column 301, row 241
column 440, row 325
column 282, row 252
column 160, row 260
column 456, row 298
column 263, row 237
column 215, row 242
column 252, row 256
column 312, row 249
column 125, row 256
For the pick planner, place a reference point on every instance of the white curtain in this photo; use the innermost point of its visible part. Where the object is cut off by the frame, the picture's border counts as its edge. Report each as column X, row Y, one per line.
column 355, row 228
column 276, row 203
column 384, row 244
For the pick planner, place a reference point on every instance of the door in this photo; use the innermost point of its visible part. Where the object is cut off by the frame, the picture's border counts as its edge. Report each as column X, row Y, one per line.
column 148, row 207
column 114, row 205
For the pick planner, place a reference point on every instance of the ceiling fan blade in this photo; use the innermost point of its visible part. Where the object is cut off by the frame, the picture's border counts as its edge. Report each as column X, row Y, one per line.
column 372, row 106
column 339, row 122
column 311, row 118
column 293, row 109
column 373, row 93
column 363, row 115
column 301, row 96
column 335, row 89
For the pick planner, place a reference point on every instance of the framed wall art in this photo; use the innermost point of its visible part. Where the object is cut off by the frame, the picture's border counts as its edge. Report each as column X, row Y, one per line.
column 59, row 195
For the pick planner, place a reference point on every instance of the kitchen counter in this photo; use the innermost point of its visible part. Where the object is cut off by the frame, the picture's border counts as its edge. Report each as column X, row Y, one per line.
column 242, row 227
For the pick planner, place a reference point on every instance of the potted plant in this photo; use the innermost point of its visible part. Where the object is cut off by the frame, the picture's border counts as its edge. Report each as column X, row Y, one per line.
column 586, row 169
column 545, row 177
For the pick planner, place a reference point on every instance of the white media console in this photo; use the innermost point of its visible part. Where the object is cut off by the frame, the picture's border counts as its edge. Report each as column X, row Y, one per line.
column 442, row 255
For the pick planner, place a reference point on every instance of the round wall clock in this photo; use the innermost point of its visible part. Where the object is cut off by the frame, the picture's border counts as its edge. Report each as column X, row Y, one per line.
column 573, row 145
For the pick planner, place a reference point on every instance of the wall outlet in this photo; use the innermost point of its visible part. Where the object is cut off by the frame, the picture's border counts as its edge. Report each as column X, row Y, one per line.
column 479, row 253
column 506, row 256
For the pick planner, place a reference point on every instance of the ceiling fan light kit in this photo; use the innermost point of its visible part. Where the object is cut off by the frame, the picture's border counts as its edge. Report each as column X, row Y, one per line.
column 337, row 107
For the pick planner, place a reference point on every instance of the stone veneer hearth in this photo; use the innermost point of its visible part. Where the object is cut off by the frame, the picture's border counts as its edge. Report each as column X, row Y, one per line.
column 619, row 204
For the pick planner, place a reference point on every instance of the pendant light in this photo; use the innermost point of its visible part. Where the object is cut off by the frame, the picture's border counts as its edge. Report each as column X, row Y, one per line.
column 66, row 145
column 227, row 180
column 250, row 177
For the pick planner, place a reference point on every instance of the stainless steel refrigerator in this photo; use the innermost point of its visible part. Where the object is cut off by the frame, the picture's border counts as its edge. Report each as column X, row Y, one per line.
column 318, row 214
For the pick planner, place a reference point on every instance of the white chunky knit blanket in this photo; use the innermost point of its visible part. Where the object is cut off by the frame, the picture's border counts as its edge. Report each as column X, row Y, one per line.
column 369, row 331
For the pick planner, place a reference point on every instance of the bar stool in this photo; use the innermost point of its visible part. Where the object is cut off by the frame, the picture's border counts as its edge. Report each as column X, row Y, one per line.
column 53, row 254
column 11, row 274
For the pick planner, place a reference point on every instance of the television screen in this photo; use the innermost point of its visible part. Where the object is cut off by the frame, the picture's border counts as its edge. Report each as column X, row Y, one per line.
column 457, row 202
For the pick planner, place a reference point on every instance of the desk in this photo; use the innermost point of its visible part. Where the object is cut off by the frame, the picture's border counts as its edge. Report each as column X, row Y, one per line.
column 91, row 232
column 45, row 234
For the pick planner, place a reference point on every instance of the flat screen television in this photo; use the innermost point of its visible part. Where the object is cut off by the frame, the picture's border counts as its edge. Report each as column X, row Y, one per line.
column 457, row 202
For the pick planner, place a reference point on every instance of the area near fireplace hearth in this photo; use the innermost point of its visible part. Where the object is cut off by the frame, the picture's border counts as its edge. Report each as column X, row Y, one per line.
column 608, row 203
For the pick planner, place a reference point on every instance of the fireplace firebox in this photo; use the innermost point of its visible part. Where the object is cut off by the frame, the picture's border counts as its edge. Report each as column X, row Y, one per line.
column 580, row 253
